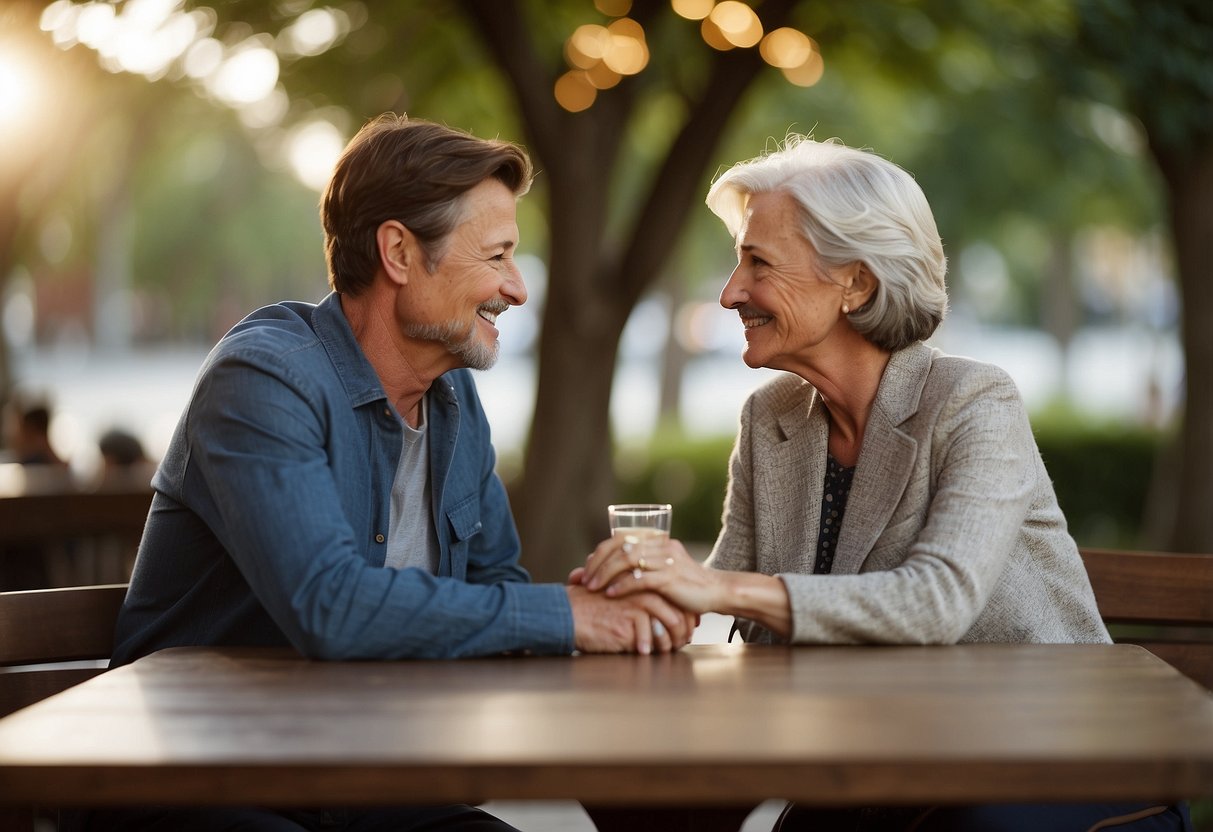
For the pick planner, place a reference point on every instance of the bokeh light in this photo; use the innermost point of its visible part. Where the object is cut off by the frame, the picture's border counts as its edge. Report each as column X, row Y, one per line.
column 738, row 23
column 808, row 73
column 627, row 52
column 314, row 32
column 313, row 149
column 693, row 9
column 613, row 8
column 602, row 76
column 248, row 74
column 574, row 92
column 599, row 57
column 786, row 48
column 203, row 58
column 712, row 35
column 587, row 45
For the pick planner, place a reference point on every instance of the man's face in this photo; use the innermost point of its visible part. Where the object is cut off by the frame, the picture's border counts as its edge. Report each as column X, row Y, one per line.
column 457, row 304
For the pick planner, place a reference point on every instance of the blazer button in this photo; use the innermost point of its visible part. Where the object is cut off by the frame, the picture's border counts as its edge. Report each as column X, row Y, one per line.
column 379, row 538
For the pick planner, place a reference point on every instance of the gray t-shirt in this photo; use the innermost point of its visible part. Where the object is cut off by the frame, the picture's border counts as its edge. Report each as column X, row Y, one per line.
column 411, row 537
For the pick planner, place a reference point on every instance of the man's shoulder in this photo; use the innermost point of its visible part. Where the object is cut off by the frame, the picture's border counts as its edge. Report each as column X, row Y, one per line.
column 279, row 329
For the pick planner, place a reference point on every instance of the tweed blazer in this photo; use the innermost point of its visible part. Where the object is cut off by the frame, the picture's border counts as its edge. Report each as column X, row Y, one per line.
column 952, row 532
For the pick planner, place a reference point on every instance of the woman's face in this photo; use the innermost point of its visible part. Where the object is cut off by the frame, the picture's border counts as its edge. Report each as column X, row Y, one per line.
column 788, row 302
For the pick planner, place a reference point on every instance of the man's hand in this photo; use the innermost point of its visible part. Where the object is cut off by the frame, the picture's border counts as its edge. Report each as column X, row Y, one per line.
column 640, row 622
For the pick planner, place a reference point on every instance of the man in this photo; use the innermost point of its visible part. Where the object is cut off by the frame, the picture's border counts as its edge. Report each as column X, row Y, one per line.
column 331, row 485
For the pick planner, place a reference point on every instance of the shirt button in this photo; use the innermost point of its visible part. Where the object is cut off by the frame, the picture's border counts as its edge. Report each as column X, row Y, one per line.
column 387, row 411
column 379, row 538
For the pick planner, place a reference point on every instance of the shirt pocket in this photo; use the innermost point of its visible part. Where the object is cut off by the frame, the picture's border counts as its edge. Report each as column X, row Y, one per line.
column 464, row 521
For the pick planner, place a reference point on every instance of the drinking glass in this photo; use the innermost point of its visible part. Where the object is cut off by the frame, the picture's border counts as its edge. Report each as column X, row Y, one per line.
column 641, row 523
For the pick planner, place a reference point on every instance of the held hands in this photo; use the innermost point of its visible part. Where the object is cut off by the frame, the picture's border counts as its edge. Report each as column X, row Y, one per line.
column 643, row 622
column 620, row 568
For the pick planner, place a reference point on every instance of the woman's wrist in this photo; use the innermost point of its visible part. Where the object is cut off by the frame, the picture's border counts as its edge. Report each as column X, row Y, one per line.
column 757, row 597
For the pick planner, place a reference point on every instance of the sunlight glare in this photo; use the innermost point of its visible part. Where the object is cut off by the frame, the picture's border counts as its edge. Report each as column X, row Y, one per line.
column 16, row 91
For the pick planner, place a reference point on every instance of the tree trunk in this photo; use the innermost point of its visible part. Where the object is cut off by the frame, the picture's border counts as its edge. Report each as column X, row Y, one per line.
column 1189, row 177
column 595, row 280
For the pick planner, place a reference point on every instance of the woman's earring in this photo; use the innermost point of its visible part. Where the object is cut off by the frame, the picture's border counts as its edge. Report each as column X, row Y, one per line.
column 845, row 309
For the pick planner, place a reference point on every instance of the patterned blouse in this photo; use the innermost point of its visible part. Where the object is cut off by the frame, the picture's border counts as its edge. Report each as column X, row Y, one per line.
column 833, row 505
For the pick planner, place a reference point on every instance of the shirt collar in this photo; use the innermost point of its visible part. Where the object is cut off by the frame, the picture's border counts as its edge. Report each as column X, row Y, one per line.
column 359, row 378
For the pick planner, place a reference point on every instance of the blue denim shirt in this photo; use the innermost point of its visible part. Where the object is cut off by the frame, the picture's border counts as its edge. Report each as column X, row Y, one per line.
column 272, row 504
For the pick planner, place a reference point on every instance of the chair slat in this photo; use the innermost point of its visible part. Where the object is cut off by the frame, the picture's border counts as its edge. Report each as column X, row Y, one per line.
column 1164, row 599
column 53, row 625
column 1151, row 587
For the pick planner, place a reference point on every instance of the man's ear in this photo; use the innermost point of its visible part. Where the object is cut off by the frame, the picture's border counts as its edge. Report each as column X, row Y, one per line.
column 861, row 285
column 399, row 252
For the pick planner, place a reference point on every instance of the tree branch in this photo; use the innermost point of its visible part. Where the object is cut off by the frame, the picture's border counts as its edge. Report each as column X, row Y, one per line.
column 501, row 27
column 674, row 189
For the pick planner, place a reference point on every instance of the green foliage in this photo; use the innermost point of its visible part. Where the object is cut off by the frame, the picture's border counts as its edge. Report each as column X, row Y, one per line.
column 1101, row 473
column 1162, row 63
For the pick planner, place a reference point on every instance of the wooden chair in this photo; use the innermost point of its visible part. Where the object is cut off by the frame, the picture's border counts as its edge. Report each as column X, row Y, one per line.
column 51, row 639
column 70, row 538
column 1162, row 601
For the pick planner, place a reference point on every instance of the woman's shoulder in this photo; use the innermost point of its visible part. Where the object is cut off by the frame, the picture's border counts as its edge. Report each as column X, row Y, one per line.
column 961, row 373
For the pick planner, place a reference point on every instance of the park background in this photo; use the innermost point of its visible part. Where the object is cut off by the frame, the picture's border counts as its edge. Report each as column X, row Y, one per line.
column 160, row 164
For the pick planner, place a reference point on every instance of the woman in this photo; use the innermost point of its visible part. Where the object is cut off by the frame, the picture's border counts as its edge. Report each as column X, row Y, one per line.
column 881, row 491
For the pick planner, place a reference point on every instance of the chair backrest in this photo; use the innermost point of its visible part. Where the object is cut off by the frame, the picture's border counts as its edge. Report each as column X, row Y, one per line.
column 42, row 627
column 1160, row 600
column 39, row 517
column 70, row 538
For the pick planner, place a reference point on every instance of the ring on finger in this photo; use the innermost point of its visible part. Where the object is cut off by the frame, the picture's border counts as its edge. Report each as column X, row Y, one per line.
column 658, row 628
column 638, row 573
column 642, row 564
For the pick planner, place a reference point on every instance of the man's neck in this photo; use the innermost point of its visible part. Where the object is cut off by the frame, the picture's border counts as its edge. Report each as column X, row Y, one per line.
column 406, row 367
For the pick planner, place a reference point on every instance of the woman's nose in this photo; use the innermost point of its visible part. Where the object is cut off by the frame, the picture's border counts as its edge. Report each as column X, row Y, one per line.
column 734, row 294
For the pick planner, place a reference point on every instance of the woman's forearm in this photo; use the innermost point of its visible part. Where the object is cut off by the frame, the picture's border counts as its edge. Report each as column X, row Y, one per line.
column 760, row 598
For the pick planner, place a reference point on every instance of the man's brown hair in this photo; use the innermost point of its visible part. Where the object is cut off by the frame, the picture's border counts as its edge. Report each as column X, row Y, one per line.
column 412, row 171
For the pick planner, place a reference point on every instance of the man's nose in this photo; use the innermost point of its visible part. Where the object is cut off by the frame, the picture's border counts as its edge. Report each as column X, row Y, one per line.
column 514, row 289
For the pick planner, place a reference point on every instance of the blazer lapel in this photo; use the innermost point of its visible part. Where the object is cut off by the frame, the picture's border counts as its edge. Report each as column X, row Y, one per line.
column 886, row 460
column 798, row 464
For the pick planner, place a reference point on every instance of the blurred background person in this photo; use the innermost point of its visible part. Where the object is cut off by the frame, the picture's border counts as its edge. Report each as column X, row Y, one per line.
column 124, row 463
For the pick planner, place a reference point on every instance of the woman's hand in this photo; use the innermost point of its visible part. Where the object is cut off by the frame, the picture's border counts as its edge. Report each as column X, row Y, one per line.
column 621, row 566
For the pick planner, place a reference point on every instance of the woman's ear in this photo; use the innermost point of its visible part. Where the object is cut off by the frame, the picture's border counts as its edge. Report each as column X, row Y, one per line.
column 860, row 285
column 398, row 251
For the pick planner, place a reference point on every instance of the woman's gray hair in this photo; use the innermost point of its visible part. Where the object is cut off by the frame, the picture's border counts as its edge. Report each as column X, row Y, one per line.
column 854, row 207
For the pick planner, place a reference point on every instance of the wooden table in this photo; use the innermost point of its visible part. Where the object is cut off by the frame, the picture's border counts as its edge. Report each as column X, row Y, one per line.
column 712, row 724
